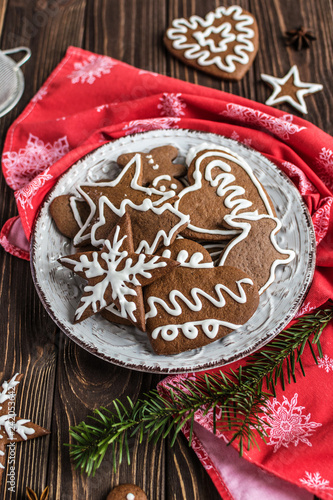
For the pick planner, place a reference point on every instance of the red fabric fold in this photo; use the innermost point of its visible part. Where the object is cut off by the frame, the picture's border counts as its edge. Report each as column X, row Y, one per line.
column 89, row 100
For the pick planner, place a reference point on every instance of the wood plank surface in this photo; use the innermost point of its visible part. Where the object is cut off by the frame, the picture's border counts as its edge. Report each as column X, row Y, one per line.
column 63, row 383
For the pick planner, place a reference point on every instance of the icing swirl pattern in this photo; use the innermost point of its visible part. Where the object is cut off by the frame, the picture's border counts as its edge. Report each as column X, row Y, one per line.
column 236, row 27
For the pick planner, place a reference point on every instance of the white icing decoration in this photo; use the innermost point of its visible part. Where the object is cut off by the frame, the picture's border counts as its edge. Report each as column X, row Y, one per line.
column 144, row 206
column 303, row 90
column 156, row 166
column 112, row 257
column 246, row 227
column 173, row 186
column 6, row 387
column 215, row 53
column 194, row 262
column 209, row 327
column 162, row 188
column 151, row 161
column 161, row 178
column 73, row 200
column 196, row 305
column 7, row 421
column 225, row 179
column 113, row 309
column 130, row 496
column 23, row 431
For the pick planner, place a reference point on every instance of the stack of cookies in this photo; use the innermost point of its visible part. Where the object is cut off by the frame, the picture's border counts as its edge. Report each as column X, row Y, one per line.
column 182, row 251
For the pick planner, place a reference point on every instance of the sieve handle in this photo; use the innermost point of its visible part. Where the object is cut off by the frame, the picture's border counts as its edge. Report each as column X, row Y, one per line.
column 19, row 49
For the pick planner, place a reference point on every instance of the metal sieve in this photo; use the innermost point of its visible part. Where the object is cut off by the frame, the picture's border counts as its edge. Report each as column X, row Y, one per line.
column 11, row 78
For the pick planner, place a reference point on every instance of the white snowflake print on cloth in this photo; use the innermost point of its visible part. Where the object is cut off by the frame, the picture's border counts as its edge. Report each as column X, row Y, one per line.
column 287, row 424
column 22, row 166
column 305, row 309
column 135, row 126
column 39, row 96
column 326, row 362
column 100, row 108
column 296, row 174
column 236, row 137
column 282, row 127
column 314, row 480
column 324, row 165
column 321, row 219
column 198, row 448
column 146, row 72
column 171, row 105
column 25, row 195
column 90, row 69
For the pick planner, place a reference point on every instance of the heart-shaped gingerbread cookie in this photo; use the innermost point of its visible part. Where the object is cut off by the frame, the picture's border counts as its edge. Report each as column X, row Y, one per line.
column 223, row 44
column 222, row 183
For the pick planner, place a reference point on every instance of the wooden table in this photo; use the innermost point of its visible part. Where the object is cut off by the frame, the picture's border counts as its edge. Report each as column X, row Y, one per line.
column 63, row 383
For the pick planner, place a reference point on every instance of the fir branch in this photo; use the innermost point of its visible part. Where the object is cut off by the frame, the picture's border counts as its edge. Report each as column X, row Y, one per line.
column 238, row 396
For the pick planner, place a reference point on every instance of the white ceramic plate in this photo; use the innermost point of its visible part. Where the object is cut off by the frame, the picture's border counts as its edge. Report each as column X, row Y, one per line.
column 60, row 291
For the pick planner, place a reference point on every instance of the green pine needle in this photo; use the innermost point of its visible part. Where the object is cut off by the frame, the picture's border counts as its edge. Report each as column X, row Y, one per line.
column 238, row 395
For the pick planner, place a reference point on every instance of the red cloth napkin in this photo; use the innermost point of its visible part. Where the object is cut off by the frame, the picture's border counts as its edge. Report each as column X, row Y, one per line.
column 89, row 100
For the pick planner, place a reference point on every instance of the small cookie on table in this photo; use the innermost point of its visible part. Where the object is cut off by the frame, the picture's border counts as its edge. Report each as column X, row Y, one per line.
column 223, row 44
column 127, row 492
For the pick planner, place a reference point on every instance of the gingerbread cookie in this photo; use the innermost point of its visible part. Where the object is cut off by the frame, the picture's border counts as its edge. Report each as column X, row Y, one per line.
column 197, row 307
column 112, row 314
column 290, row 89
column 224, row 44
column 116, row 274
column 69, row 214
column 159, row 161
column 154, row 220
column 13, row 429
column 187, row 252
column 256, row 250
column 221, row 183
column 127, row 492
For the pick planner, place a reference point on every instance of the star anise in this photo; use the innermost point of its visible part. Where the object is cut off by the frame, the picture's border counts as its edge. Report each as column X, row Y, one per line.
column 300, row 38
column 31, row 495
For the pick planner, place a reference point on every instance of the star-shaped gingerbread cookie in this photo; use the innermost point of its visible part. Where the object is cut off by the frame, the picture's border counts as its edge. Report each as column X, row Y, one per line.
column 125, row 193
column 290, row 89
column 154, row 220
column 116, row 275
column 12, row 428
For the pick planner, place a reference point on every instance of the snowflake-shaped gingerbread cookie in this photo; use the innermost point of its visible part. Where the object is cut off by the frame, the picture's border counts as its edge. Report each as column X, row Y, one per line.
column 115, row 275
